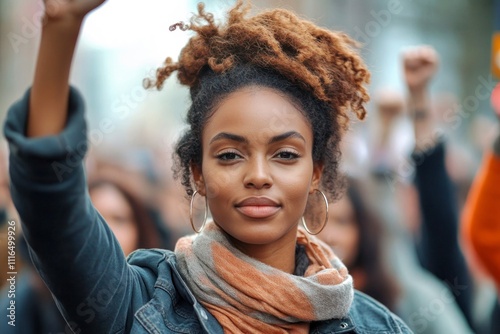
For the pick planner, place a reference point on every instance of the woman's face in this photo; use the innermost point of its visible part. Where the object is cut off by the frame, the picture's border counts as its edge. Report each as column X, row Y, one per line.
column 117, row 212
column 257, row 168
column 341, row 232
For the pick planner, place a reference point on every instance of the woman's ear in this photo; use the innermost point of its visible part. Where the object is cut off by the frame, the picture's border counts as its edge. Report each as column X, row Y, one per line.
column 316, row 177
column 198, row 178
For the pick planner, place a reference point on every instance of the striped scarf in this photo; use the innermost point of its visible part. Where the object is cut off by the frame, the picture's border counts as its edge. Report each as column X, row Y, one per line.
column 248, row 296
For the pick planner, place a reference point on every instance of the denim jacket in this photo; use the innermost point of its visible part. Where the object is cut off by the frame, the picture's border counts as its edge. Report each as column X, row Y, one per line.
column 96, row 288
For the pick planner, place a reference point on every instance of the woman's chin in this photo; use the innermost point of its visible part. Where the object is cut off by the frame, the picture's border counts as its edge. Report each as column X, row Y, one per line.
column 257, row 232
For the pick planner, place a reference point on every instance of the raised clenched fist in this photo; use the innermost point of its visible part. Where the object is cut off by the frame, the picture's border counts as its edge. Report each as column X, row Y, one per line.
column 419, row 66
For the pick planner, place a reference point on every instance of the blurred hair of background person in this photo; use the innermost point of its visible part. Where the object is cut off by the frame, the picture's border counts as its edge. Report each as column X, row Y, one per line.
column 131, row 224
column 481, row 216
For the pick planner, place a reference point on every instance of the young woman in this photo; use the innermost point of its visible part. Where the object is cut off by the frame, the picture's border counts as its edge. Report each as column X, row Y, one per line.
column 270, row 100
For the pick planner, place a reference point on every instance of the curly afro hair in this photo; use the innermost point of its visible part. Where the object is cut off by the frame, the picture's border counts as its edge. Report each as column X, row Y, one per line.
column 318, row 69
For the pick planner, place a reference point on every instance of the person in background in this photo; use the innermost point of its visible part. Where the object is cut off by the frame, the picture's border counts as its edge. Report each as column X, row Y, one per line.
column 355, row 234
column 125, row 214
column 480, row 227
column 438, row 247
column 391, row 196
column 136, row 176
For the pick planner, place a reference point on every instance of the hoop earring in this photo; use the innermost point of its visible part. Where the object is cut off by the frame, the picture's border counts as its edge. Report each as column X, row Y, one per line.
column 325, row 220
column 191, row 213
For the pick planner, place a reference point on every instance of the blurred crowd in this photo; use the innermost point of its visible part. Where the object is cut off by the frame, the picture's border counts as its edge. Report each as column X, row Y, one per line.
column 418, row 225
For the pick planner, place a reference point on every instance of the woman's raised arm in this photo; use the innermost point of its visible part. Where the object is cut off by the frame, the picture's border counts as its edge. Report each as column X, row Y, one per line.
column 50, row 91
column 70, row 244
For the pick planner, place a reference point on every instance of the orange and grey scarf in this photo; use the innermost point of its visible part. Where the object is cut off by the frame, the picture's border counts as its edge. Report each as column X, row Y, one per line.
column 248, row 296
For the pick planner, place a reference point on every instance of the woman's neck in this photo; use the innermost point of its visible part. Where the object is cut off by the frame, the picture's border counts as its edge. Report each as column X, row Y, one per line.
column 279, row 255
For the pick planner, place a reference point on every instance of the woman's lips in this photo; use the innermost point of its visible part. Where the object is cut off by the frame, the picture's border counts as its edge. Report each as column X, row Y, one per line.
column 258, row 211
column 258, row 207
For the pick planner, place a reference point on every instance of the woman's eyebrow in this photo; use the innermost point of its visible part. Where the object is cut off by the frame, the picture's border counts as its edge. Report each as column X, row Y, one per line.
column 230, row 136
column 241, row 139
column 283, row 136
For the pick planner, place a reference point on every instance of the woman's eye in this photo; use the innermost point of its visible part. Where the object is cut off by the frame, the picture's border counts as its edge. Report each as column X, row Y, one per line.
column 228, row 156
column 288, row 155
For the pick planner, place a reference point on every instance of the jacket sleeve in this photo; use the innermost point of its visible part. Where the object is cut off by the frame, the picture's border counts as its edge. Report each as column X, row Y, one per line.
column 481, row 216
column 70, row 244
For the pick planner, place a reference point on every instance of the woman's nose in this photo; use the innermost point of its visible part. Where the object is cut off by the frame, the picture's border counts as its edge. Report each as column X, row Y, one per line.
column 258, row 173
